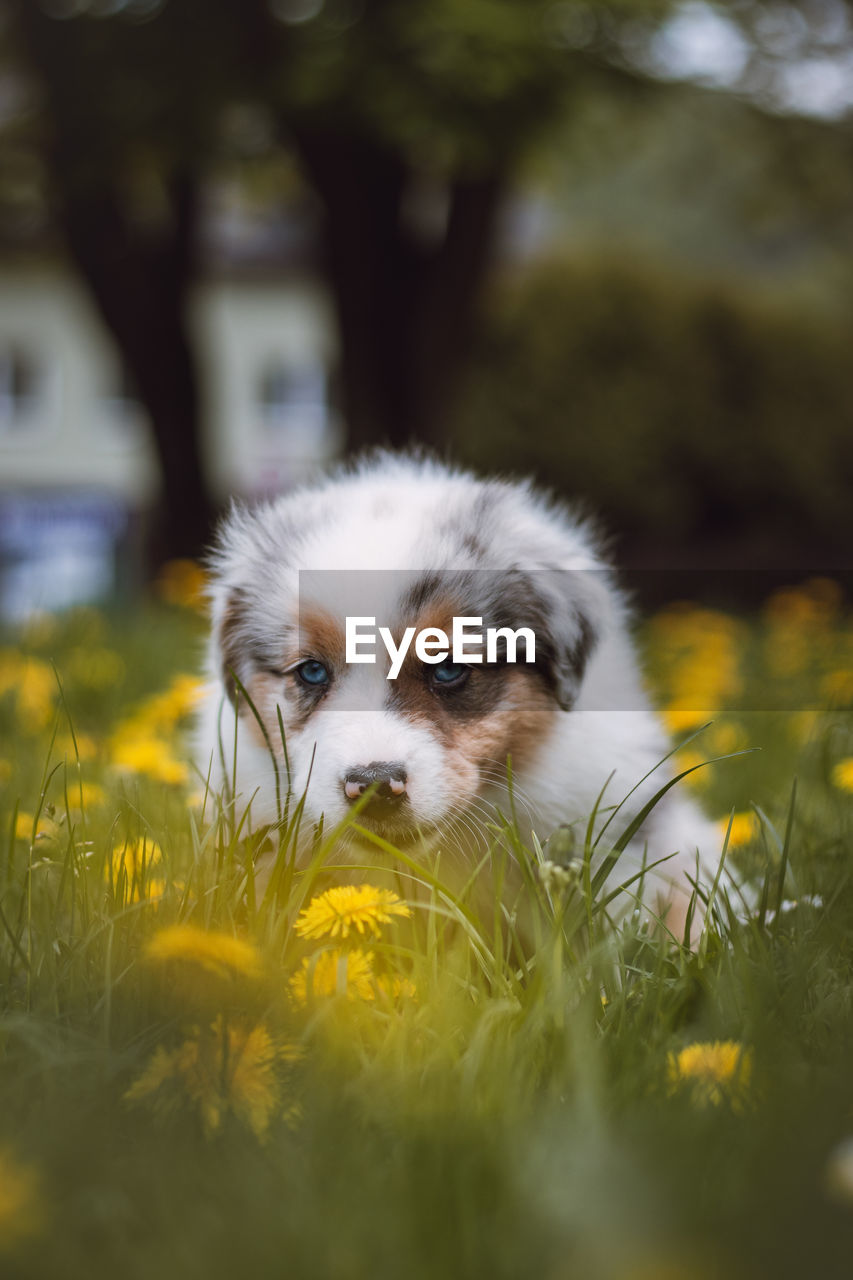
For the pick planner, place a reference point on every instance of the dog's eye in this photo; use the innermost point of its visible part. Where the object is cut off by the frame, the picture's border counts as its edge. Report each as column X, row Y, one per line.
column 313, row 673
column 450, row 673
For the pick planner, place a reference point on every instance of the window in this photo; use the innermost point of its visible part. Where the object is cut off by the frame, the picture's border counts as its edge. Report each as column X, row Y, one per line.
column 292, row 398
column 19, row 386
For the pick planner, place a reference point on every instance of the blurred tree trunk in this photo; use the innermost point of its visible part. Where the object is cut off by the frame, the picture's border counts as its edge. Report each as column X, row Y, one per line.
column 125, row 106
column 139, row 276
column 405, row 294
column 142, row 293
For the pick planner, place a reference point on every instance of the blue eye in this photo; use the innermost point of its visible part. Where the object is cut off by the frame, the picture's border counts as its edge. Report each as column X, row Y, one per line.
column 448, row 672
column 313, row 673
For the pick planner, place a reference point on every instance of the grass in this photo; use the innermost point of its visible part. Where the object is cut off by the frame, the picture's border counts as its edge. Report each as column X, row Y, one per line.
column 203, row 1075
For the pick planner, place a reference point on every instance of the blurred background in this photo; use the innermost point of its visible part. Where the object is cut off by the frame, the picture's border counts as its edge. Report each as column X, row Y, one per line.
column 605, row 242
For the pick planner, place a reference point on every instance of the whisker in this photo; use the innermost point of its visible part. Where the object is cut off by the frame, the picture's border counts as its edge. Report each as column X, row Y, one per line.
column 494, row 773
column 519, row 800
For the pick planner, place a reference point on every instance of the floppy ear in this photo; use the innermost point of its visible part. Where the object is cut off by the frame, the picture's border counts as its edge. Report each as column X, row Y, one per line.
column 230, row 639
column 237, row 563
column 567, row 609
column 576, row 605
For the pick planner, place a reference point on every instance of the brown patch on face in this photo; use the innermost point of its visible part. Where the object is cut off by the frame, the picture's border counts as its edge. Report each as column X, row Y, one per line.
column 436, row 614
column 320, row 638
column 499, row 711
column 516, row 724
column 414, row 693
column 230, row 642
column 420, row 698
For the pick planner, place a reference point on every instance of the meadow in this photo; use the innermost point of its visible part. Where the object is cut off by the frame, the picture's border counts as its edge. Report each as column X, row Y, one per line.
column 204, row 1075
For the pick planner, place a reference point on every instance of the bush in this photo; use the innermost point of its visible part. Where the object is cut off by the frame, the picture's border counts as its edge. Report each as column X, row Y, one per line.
column 682, row 410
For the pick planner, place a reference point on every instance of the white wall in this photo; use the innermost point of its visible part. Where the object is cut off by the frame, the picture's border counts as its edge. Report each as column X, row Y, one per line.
column 244, row 331
column 77, row 432
column 74, row 432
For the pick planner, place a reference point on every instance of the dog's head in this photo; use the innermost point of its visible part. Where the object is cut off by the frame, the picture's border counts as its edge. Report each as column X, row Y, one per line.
column 431, row 742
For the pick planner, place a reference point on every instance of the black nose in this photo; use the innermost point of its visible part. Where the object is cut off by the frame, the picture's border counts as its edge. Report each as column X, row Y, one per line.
column 388, row 780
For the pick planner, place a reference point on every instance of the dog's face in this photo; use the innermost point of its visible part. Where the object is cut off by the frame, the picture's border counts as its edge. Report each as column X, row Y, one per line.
column 433, row 742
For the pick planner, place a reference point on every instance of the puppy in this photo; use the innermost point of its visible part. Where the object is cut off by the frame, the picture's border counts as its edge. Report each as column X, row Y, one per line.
column 411, row 544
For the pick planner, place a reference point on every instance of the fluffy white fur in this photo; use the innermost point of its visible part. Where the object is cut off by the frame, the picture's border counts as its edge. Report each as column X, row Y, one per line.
column 416, row 517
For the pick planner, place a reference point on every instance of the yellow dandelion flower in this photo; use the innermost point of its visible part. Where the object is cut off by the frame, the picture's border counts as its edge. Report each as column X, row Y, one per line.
column 363, row 907
column 219, row 953
column 47, row 829
column 20, row 1199
column 182, row 582
column 837, row 686
column 134, row 752
column 681, row 715
column 712, row 1072
column 136, row 855
column 692, row 760
column 802, row 725
column 842, row 774
column 36, row 693
column 33, row 685
column 699, row 653
column 396, row 986
column 5, row 770
column 348, row 973
column 10, row 663
column 164, row 710
column 218, row 1069
column 745, row 829
column 81, row 746
column 88, row 795
column 727, row 735
column 787, row 651
column 128, row 869
column 683, row 625
column 815, row 604
column 142, row 743
column 251, row 1088
column 24, row 825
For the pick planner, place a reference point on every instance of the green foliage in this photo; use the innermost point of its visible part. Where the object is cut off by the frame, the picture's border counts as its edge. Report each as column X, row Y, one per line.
column 449, row 84
column 680, row 409
column 509, row 1092
column 704, row 181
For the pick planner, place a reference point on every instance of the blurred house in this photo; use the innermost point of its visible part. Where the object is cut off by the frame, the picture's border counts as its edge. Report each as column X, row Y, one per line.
column 78, row 469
